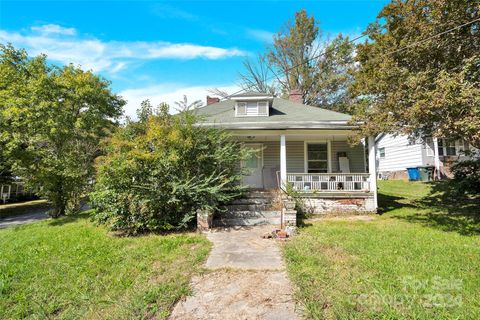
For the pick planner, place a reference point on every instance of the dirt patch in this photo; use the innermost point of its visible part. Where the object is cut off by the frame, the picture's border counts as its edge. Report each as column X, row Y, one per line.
column 238, row 295
column 337, row 255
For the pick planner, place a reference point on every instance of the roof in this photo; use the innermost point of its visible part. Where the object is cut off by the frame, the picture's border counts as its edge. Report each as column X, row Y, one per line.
column 284, row 114
column 249, row 94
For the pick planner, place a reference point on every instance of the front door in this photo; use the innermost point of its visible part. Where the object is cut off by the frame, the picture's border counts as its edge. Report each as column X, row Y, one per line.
column 254, row 167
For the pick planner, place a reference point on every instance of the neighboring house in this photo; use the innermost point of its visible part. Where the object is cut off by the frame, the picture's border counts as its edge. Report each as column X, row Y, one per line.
column 397, row 153
column 300, row 145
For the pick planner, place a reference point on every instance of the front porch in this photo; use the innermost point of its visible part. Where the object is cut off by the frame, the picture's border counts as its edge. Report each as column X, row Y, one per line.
column 318, row 165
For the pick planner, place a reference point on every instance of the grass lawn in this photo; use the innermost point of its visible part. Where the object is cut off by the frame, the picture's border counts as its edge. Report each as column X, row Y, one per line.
column 70, row 268
column 419, row 259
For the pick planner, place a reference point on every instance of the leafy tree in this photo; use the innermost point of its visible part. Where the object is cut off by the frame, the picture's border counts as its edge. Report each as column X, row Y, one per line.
column 158, row 178
column 301, row 59
column 413, row 84
column 52, row 120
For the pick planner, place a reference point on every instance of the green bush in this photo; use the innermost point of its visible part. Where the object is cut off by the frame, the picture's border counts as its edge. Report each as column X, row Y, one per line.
column 159, row 172
column 467, row 176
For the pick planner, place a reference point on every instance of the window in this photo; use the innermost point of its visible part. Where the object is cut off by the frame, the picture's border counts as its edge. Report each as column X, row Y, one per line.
column 251, row 109
column 429, row 147
column 451, row 147
column 440, row 147
column 317, row 157
column 381, row 152
column 462, row 146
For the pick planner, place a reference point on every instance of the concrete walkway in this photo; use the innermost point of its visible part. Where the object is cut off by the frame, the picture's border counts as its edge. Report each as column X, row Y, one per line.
column 245, row 279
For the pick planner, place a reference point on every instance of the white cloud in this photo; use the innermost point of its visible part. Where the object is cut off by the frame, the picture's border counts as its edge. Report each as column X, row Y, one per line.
column 169, row 93
column 109, row 56
column 54, row 28
column 261, row 35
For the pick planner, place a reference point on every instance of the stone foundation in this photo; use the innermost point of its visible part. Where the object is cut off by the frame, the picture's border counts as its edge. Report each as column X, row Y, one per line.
column 204, row 220
column 324, row 204
column 289, row 214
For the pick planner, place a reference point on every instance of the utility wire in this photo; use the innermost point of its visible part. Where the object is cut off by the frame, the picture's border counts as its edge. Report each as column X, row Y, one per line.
column 295, row 66
column 355, row 39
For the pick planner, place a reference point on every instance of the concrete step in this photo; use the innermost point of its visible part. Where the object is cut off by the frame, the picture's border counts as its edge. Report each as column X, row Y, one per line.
column 245, row 222
column 247, row 214
column 252, row 201
column 248, row 207
column 247, row 218
column 261, row 194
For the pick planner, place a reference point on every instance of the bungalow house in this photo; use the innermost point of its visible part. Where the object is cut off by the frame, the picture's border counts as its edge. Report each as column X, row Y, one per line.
column 298, row 145
column 397, row 153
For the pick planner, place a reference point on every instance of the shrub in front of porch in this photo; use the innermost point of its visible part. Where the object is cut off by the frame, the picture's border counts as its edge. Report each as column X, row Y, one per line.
column 159, row 172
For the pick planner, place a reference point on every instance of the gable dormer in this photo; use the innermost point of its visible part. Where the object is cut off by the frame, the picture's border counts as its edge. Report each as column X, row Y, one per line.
column 252, row 104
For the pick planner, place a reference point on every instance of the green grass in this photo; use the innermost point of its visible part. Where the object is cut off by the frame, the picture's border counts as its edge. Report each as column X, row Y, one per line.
column 72, row 269
column 419, row 259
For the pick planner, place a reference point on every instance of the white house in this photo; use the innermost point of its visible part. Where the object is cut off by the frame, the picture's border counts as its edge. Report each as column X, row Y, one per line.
column 397, row 153
column 298, row 145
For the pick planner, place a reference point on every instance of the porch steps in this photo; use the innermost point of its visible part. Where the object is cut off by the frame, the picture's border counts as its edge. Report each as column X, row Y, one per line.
column 255, row 208
column 248, row 218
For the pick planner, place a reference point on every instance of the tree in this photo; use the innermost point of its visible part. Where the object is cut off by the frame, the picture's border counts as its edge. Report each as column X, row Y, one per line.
column 301, row 59
column 52, row 121
column 257, row 76
column 411, row 83
column 160, row 177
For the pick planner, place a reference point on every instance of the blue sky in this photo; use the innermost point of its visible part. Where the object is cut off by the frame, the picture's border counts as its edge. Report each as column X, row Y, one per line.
column 163, row 50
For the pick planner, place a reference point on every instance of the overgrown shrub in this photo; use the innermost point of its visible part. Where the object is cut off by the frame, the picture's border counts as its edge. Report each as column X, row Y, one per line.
column 158, row 172
column 467, row 176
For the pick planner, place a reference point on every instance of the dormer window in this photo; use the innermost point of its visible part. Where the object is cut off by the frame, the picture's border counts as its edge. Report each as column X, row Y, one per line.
column 251, row 109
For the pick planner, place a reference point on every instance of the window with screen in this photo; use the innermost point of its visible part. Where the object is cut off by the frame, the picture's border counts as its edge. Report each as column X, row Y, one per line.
column 317, row 158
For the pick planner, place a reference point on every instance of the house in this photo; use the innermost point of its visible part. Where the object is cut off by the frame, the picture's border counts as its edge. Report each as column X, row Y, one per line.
column 397, row 153
column 298, row 145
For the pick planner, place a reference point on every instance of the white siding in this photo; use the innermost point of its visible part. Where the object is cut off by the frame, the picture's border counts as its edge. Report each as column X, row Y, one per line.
column 295, row 158
column 354, row 154
column 400, row 153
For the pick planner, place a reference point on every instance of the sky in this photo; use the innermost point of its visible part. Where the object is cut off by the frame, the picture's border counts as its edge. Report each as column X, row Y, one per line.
column 163, row 50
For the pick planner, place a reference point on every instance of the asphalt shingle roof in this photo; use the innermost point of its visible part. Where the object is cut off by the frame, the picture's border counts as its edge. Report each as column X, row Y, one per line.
column 283, row 114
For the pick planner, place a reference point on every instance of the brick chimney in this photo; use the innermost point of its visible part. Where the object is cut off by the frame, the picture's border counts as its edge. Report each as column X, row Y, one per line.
column 211, row 100
column 295, row 96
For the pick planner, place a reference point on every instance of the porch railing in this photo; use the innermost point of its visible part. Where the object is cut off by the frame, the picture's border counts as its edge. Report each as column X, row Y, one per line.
column 329, row 182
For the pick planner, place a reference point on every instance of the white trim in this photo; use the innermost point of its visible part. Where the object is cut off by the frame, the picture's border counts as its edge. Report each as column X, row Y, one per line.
column 364, row 144
column 429, row 152
column 329, row 154
column 372, row 168
column 283, row 161
column 340, row 122
column 436, row 157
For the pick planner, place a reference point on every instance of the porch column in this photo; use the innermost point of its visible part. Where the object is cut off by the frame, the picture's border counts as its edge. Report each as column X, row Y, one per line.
column 372, row 168
column 437, row 158
column 283, row 161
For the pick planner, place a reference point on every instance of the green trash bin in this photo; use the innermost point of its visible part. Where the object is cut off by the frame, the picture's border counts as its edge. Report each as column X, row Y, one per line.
column 426, row 173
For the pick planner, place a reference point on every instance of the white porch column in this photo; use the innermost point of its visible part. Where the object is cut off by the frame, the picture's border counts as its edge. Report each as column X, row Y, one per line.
column 437, row 158
column 283, row 161
column 372, row 168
